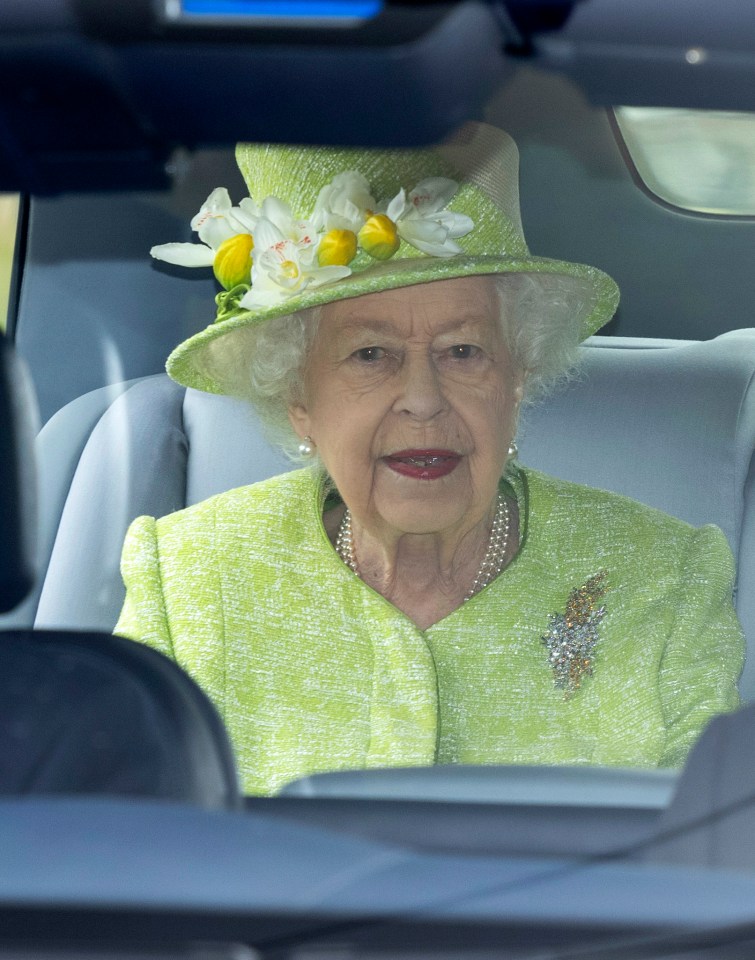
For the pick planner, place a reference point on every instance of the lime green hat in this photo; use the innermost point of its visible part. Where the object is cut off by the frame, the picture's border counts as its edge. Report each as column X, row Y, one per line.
column 327, row 223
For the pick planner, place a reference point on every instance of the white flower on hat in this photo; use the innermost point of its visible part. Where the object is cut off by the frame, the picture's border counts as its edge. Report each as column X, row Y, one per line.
column 276, row 213
column 284, row 267
column 217, row 221
column 264, row 255
column 422, row 220
column 344, row 203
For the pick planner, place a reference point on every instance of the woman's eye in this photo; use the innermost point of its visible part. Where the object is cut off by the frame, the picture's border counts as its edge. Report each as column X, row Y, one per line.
column 463, row 351
column 369, row 354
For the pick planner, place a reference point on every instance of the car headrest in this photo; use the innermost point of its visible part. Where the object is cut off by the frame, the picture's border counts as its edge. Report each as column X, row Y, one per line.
column 90, row 713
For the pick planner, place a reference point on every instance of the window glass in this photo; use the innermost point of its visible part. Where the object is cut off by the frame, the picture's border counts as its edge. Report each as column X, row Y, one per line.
column 8, row 222
column 699, row 160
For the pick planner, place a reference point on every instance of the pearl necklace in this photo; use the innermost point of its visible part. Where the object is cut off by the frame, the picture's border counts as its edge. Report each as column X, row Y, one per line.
column 492, row 562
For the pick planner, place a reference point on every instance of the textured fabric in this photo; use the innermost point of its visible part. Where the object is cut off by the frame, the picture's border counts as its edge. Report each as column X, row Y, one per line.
column 312, row 670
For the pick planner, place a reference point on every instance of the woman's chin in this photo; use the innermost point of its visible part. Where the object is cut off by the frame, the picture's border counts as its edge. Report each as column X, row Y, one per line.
column 420, row 505
column 415, row 525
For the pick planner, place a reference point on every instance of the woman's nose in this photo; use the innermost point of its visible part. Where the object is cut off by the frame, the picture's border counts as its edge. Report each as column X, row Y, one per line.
column 421, row 392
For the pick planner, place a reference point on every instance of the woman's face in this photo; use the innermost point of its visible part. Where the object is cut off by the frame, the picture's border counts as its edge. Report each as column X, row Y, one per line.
column 411, row 397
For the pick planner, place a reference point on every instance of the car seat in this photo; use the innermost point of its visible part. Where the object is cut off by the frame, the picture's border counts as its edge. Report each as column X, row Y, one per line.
column 83, row 712
column 710, row 819
column 90, row 713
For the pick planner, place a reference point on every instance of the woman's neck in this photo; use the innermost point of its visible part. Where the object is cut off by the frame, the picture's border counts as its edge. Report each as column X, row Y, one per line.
column 426, row 576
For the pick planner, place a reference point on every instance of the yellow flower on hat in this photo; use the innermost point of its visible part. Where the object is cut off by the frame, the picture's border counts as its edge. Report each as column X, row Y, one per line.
column 265, row 254
column 279, row 253
column 379, row 237
column 233, row 261
column 217, row 221
column 337, row 248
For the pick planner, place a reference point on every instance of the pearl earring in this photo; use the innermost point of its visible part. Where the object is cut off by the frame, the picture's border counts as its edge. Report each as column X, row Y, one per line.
column 513, row 450
column 307, row 448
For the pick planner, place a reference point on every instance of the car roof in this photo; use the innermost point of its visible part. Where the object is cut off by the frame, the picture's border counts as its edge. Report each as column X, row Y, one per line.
column 98, row 95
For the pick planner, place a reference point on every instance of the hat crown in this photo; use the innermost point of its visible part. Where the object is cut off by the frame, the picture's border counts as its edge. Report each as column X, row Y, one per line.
column 483, row 160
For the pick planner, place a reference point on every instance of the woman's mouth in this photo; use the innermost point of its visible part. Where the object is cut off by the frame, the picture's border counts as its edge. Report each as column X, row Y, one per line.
column 423, row 464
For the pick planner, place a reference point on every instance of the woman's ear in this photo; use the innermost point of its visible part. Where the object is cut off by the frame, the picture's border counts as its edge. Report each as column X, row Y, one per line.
column 300, row 420
column 521, row 383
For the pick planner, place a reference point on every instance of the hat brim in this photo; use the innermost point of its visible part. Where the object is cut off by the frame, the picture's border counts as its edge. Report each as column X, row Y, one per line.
column 198, row 363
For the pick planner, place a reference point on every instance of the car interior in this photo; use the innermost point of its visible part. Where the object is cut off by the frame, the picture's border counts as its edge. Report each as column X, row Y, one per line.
column 124, row 830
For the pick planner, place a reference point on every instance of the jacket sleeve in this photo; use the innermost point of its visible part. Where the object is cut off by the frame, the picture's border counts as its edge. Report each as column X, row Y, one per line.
column 705, row 650
column 143, row 616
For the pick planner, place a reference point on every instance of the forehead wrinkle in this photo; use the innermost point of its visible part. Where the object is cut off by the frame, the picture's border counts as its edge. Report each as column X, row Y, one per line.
column 383, row 326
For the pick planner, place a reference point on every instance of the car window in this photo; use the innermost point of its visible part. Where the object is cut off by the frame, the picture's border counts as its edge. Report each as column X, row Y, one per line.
column 8, row 221
column 620, row 186
column 697, row 160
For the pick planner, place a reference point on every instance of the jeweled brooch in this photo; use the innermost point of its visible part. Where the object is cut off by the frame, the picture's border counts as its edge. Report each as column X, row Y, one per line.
column 572, row 635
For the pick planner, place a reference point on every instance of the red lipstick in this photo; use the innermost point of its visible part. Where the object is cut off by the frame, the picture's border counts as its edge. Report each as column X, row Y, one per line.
column 423, row 464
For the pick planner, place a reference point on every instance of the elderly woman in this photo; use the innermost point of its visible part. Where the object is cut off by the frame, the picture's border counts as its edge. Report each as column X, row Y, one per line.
column 413, row 595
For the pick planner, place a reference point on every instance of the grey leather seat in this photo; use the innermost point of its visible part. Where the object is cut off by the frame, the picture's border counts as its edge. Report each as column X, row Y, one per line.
column 710, row 819
column 85, row 712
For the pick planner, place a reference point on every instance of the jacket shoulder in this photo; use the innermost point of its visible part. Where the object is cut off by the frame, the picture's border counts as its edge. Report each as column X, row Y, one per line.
column 237, row 505
column 611, row 522
column 599, row 503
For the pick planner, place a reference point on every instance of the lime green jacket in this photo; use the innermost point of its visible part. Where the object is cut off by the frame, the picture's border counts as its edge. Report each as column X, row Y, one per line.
column 312, row 670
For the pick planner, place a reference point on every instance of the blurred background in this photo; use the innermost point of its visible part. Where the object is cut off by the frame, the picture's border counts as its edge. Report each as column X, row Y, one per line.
column 8, row 221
